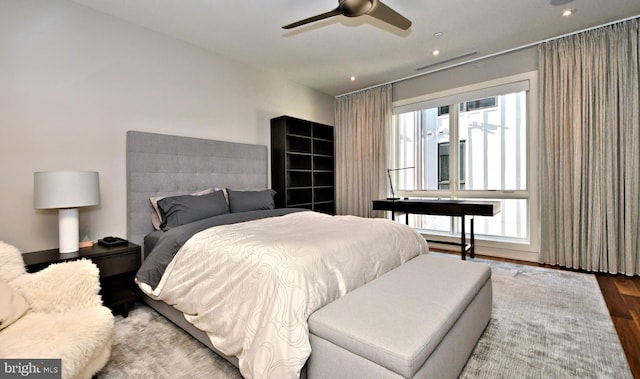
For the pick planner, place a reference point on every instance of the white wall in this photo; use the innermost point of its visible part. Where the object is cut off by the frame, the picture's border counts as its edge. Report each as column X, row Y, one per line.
column 73, row 81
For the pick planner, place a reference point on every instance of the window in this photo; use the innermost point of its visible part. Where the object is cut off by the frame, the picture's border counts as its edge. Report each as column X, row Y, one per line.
column 443, row 165
column 469, row 145
column 470, row 105
column 488, row 102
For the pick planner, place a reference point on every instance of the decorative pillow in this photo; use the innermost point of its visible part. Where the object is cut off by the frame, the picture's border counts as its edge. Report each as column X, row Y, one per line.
column 12, row 305
column 156, row 217
column 180, row 210
column 244, row 201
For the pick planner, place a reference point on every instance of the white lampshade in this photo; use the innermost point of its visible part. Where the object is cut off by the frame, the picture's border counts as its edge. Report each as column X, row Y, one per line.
column 66, row 191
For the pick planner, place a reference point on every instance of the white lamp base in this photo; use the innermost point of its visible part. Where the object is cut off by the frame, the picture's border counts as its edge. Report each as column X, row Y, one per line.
column 68, row 230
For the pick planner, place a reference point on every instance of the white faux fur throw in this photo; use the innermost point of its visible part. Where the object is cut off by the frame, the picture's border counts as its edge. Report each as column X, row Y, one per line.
column 61, row 287
column 11, row 262
column 66, row 319
column 76, row 337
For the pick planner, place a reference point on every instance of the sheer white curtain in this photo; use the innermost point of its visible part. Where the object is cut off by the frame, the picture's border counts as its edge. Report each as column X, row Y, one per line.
column 590, row 150
column 363, row 120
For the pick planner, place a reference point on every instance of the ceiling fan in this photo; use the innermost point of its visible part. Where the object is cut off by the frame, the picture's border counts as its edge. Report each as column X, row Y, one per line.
column 356, row 8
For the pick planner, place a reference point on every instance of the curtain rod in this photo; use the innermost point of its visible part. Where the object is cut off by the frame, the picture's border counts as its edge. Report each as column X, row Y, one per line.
column 493, row 55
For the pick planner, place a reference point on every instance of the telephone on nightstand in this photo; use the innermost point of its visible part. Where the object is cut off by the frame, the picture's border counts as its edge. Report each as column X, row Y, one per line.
column 112, row 241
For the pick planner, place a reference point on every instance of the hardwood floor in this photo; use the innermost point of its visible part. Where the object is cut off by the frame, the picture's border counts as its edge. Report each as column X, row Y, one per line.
column 622, row 295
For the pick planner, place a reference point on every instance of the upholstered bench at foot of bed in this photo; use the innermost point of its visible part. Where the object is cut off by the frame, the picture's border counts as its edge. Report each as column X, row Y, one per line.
column 421, row 320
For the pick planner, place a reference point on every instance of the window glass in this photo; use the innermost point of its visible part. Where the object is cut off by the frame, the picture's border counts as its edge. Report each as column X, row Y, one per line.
column 418, row 137
column 492, row 146
column 495, row 138
column 491, row 158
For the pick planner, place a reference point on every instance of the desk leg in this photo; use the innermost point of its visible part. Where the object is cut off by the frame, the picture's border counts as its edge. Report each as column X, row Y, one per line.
column 473, row 241
column 463, row 238
column 393, row 215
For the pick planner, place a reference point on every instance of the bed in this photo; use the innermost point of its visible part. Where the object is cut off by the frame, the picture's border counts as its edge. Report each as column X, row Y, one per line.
column 172, row 167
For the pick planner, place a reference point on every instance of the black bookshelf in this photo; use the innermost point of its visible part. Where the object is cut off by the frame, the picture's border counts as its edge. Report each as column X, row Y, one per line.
column 302, row 164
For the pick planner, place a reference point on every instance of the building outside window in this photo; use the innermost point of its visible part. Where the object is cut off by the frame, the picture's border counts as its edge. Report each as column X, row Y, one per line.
column 443, row 165
column 473, row 145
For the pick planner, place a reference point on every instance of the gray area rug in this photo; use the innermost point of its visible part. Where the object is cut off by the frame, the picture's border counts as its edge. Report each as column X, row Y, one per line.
column 545, row 324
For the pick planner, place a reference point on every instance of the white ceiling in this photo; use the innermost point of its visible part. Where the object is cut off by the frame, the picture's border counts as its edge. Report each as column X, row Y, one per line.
column 325, row 54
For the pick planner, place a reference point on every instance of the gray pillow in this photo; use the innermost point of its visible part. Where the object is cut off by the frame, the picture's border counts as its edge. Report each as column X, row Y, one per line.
column 156, row 216
column 180, row 210
column 244, row 201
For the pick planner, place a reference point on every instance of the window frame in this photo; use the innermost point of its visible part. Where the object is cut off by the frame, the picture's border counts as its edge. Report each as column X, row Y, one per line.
column 490, row 246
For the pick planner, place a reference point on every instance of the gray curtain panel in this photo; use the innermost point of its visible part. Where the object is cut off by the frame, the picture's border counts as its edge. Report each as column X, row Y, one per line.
column 590, row 150
column 363, row 121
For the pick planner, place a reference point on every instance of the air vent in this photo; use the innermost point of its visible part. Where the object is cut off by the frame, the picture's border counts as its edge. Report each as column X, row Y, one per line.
column 465, row 55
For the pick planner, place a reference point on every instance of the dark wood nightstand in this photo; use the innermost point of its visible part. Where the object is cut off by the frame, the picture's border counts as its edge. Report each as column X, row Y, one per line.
column 118, row 266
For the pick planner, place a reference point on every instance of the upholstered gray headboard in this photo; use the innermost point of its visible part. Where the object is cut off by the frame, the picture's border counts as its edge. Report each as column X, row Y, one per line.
column 163, row 165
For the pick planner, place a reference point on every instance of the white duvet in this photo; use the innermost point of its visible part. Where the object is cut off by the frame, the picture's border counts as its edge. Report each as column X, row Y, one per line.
column 251, row 286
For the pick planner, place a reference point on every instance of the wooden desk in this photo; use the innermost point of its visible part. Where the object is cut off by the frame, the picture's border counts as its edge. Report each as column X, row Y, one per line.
column 441, row 207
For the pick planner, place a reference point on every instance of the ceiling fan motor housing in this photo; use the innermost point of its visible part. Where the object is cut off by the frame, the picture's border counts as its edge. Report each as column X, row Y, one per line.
column 355, row 8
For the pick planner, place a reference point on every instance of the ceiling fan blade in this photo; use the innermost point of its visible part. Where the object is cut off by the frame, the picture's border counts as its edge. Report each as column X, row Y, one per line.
column 388, row 15
column 319, row 17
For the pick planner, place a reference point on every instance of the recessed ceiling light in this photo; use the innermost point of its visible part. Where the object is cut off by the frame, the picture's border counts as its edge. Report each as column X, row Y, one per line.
column 435, row 52
column 353, row 78
column 568, row 12
column 437, row 34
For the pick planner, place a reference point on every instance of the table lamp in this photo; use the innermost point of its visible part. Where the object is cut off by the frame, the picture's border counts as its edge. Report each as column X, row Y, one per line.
column 66, row 191
column 393, row 194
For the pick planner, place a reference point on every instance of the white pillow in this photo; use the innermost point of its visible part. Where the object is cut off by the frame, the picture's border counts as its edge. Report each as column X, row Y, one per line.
column 156, row 217
column 12, row 305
